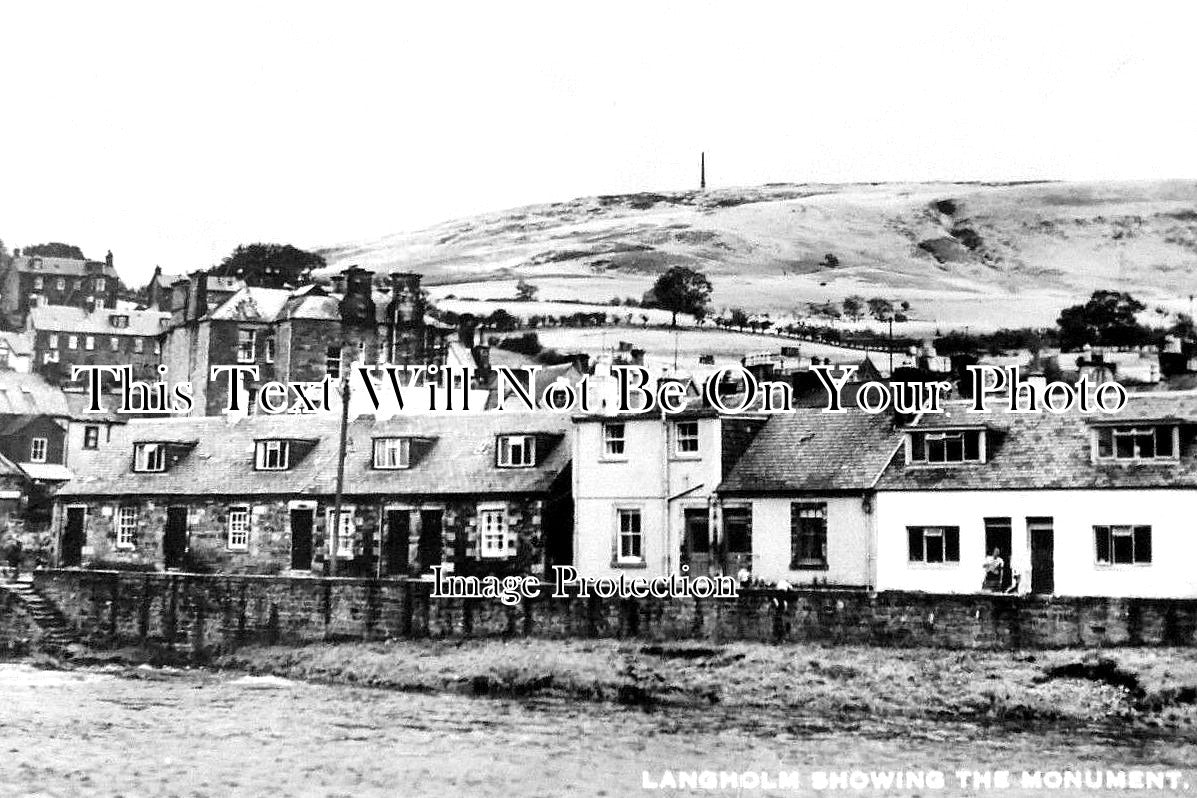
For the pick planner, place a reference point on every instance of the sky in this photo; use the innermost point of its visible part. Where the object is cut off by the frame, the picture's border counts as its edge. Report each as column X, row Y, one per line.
column 170, row 133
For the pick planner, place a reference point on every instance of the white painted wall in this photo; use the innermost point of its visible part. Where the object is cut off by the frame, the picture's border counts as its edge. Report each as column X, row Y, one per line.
column 649, row 472
column 849, row 536
column 1169, row 512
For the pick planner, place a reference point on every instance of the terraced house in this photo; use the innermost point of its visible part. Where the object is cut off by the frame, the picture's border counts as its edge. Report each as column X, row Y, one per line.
column 479, row 494
column 1081, row 505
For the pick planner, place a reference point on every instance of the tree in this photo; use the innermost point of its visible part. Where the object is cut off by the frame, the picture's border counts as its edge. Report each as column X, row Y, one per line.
column 525, row 291
column 854, row 307
column 1107, row 319
column 54, row 249
column 269, row 265
column 738, row 318
column 682, row 290
column 880, row 308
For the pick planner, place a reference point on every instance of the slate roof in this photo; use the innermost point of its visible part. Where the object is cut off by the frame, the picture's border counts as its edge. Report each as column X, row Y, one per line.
column 70, row 319
column 29, row 394
column 461, row 459
column 810, row 450
column 1032, row 452
column 68, row 267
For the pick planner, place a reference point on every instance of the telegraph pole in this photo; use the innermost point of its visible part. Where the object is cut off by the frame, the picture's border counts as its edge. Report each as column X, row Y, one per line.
column 702, row 172
column 342, row 445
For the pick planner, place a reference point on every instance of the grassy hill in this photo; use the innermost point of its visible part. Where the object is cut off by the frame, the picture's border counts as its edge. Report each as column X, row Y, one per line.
column 961, row 253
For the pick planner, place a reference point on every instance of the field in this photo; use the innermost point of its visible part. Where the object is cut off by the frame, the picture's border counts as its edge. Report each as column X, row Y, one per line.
column 978, row 255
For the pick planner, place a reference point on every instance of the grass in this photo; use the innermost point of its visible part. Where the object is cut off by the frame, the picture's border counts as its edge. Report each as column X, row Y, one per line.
column 1154, row 688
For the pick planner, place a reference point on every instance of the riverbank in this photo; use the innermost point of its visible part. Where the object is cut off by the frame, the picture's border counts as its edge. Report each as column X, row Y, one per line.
column 1149, row 688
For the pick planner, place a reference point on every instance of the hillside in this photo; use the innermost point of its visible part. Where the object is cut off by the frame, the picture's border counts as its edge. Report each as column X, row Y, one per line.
column 960, row 253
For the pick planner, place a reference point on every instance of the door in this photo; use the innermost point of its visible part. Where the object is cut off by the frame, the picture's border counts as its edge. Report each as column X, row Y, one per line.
column 696, row 541
column 396, row 540
column 302, row 521
column 174, row 537
column 73, row 536
column 430, row 546
column 1043, row 574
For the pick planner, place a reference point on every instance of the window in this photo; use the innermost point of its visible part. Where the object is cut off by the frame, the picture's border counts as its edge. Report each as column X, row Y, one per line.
column 268, row 348
column 37, row 450
column 344, row 531
column 959, row 446
column 1122, row 545
column 50, row 357
column 119, row 321
column 737, row 529
column 72, row 342
column 808, row 535
column 91, row 437
column 126, row 527
column 332, row 362
column 392, row 452
column 60, row 283
column 114, row 343
column 89, row 343
column 239, row 528
column 100, row 284
column 934, row 544
column 685, row 437
column 53, row 341
column 138, row 346
column 99, row 304
column 157, row 347
column 37, row 283
column 613, row 440
column 630, row 545
column 517, row 451
column 273, row 455
column 494, row 539
column 1138, row 443
column 149, row 457
column 246, row 340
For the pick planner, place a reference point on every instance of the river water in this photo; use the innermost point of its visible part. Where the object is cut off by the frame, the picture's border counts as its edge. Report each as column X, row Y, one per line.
column 191, row 733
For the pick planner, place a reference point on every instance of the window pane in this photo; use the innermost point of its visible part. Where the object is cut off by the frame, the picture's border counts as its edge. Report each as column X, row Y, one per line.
column 737, row 528
column 914, row 542
column 951, row 542
column 1101, row 540
column 933, row 540
column 972, row 445
column 1163, row 442
column 954, row 448
column 1124, row 545
column 918, row 449
column 1145, row 443
column 1124, row 445
column 1142, row 539
column 935, row 449
column 1105, row 442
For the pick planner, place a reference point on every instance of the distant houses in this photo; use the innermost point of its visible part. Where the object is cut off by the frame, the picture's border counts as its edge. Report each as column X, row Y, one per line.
column 31, row 280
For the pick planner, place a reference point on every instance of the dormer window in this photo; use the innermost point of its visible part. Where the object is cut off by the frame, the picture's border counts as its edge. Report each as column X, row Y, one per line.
column 149, row 457
column 273, row 455
column 1138, row 443
column 517, row 451
column 938, row 447
column 392, row 453
column 118, row 321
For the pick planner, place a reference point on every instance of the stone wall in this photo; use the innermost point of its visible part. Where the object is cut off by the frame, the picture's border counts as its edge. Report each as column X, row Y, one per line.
column 213, row 613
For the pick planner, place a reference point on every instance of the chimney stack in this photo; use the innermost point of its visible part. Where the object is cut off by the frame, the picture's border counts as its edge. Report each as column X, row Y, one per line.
column 357, row 305
column 407, row 302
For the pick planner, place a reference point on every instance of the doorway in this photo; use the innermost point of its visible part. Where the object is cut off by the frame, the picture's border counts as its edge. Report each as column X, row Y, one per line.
column 998, row 536
column 1043, row 575
column 696, row 541
column 430, row 548
column 174, row 537
column 303, row 519
column 396, row 540
column 73, row 537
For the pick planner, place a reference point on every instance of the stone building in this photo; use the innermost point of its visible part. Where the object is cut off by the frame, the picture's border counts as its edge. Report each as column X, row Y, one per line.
column 33, row 279
column 66, row 336
column 296, row 335
column 477, row 493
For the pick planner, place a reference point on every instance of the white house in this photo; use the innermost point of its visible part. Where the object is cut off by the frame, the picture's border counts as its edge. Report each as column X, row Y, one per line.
column 803, row 489
column 644, row 492
column 1076, row 504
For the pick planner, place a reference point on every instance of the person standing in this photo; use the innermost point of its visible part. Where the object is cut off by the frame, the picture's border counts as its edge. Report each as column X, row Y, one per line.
column 14, row 553
column 994, row 567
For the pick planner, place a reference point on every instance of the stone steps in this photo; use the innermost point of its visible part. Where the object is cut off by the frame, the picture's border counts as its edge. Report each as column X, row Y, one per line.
column 56, row 631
